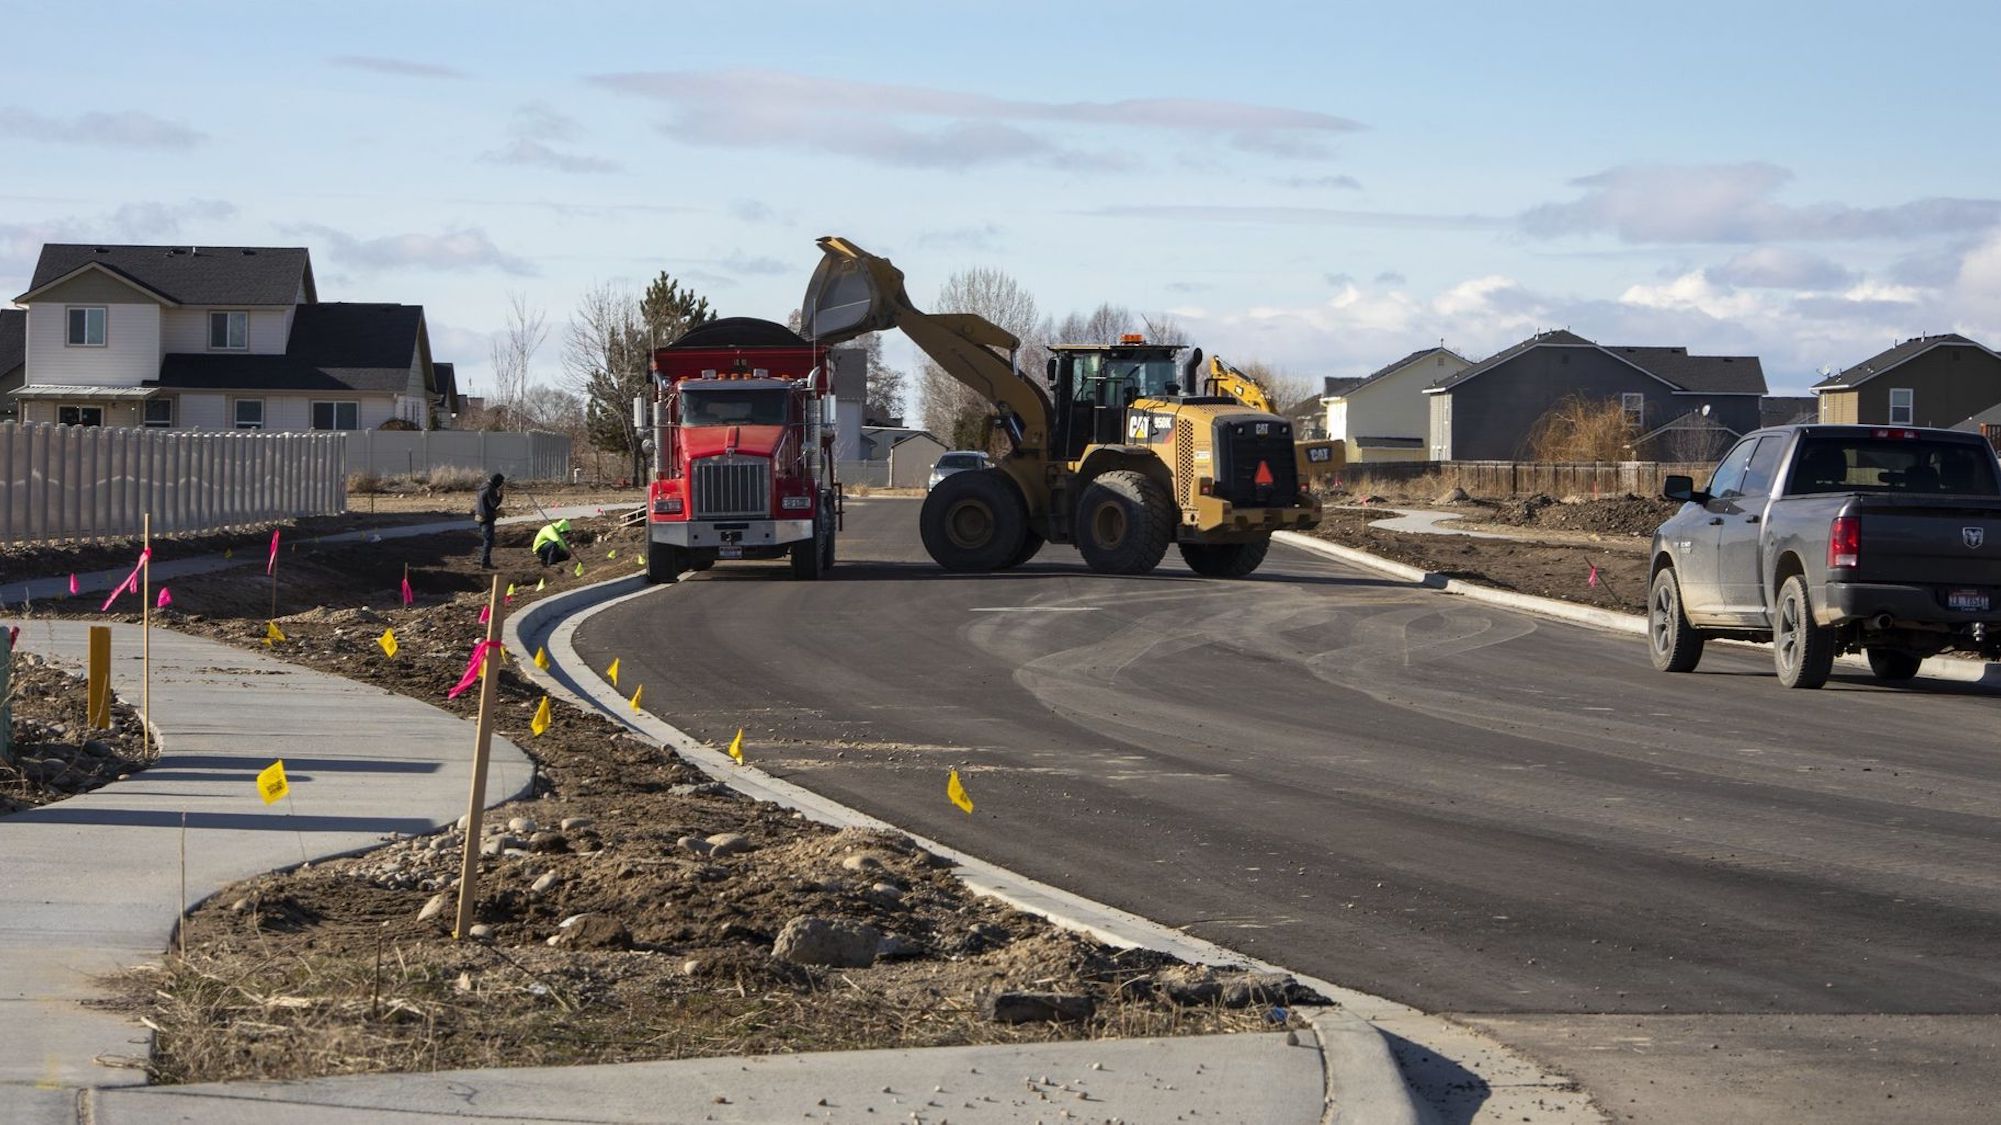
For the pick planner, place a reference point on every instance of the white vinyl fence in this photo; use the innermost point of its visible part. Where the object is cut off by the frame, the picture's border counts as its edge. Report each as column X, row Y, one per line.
column 534, row 455
column 91, row 482
column 874, row 474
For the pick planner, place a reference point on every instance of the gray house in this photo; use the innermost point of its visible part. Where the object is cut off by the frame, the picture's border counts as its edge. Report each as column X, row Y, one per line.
column 1942, row 380
column 13, row 358
column 1489, row 411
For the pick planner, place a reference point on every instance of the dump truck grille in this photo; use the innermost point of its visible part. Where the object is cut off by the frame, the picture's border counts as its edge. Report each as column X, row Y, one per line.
column 732, row 487
column 1240, row 449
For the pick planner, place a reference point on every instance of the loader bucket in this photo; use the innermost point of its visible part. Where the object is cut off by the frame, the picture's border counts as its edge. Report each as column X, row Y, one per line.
column 852, row 292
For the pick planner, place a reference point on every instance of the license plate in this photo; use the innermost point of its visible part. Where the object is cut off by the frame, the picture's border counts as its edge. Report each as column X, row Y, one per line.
column 737, row 553
column 1973, row 600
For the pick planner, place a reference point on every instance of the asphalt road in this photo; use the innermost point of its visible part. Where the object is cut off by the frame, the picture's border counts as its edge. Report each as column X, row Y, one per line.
column 1700, row 894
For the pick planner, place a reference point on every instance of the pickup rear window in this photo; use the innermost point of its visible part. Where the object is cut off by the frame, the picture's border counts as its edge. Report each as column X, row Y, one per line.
column 1916, row 467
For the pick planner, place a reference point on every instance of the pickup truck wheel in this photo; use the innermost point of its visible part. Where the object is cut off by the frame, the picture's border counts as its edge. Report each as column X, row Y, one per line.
column 1124, row 523
column 1802, row 650
column 1672, row 642
column 664, row 562
column 1893, row 665
column 974, row 520
column 1225, row 560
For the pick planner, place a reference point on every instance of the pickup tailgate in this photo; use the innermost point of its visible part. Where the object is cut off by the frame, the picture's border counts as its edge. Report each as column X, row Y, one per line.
column 1933, row 540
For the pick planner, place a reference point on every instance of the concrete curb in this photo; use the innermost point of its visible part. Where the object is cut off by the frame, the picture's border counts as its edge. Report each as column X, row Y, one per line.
column 1976, row 672
column 1363, row 1080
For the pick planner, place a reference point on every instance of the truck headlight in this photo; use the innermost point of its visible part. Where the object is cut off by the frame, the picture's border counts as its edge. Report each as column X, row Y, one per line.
column 796, row 503
column 669, row 506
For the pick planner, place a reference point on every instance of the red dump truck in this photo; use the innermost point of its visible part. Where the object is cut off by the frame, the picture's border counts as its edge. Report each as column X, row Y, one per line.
column 743, row 450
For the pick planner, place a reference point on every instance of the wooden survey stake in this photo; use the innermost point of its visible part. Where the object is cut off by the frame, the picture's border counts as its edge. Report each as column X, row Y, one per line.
column 481, row 751
column 98, row 678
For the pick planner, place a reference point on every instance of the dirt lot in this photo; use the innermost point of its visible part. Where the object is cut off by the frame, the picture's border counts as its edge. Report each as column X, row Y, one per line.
column 631, row 909
column 56, row 754
column 1571, row 540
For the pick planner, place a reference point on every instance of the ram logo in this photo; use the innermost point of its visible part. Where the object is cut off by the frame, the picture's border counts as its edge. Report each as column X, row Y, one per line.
column 1974, row 537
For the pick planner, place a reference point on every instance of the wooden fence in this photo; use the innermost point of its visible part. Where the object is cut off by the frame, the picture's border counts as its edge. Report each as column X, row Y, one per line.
column 1502, row 479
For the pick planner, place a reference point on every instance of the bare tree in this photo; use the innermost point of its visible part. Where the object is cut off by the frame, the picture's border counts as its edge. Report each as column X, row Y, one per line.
column 513, row 352
column 1583, row 429
column 1284, row 388
column 952, row 411
column 604, row 352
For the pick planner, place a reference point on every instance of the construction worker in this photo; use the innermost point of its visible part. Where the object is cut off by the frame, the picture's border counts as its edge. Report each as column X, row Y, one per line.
column 485, row 513
column 550, row 546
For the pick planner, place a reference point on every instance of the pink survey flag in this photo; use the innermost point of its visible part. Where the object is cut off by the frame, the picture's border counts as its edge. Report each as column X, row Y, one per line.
column 164, row 600
column 131, row 581
column 409, row 595
column 473, row 668
column 1592, row 580
column 485, row 614
column 271, row 564
column 72, row 582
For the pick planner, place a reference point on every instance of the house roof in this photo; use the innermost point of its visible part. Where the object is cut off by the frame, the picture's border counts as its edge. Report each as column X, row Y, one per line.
column 189, row 275
column 1393, row 366
column 13, row 339
column 446, row 377
column 1784, row 410
column 1390, row 442
column 1901, row 353
column 1334, row 386
column 1694, row 420
column 334, row 346
column 1308, row 405
column 1692, row 374
column 81, row 392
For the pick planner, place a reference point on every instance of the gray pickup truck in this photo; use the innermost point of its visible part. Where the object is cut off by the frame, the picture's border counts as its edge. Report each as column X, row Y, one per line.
column 1832, row 539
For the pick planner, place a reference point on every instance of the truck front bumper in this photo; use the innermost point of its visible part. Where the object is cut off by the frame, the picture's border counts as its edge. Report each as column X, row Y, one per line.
column 1219, row 521
column 729, row 533
column 1854, row 601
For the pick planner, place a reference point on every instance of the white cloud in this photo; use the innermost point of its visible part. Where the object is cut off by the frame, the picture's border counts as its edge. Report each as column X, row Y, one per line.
column 1780, row 267
column 983, row 238
column 1297, row 216
column 400, row 68
column 1734, row 203
column 21, row 243
column 925, row 127
column 460, row 248
column 741, row 263
column 1322, row 183
column 124, row 129
column 530, row 135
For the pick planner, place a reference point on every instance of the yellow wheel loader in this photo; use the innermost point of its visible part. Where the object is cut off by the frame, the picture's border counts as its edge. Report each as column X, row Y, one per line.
column 1110, row 450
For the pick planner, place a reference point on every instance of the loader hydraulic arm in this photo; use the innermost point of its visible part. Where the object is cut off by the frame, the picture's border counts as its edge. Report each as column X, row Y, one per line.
column 855, row 292
column 1229, row 381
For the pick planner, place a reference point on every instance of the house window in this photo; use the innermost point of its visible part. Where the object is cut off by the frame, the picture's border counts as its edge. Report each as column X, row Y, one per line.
column 1635, row 408
column 249, row 413
column 80, row 415
column 86, row 326
column 336, row 415
column 1900, row 406
column 228, row 331
column 159, row 413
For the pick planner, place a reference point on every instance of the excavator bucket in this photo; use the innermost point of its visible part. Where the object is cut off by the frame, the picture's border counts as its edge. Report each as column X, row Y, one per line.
column 852, row 292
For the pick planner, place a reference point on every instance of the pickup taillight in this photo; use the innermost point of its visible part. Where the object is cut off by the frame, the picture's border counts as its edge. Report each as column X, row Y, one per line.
column 1844, row 541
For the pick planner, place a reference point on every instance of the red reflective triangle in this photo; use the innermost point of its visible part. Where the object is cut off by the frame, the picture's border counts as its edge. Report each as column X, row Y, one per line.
column 1264, row 475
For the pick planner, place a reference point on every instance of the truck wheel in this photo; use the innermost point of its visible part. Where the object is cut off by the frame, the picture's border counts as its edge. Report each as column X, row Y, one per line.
column 1124, row 523
column 809, row 556
column 974, row 520
column 1803, row 650
column 1893, row 665
column 701, row 563
column 664, row 562
column 1031, row 543
column 1672, row 642
column 1225, row 560
column 826, row 508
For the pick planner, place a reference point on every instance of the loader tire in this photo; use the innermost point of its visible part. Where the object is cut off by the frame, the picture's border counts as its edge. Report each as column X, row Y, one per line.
column 1030, row 544
column 1124, row 523
column 1225, row 560
column 974, row 521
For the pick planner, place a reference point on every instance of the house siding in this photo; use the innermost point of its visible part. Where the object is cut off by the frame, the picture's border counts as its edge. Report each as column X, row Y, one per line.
column 1394, row 406
column 115, row 413
column 202, row 410
column 1837, row 407
column 131, row 351
column 1494, row 413
column 1948, row 384
column 186, row 330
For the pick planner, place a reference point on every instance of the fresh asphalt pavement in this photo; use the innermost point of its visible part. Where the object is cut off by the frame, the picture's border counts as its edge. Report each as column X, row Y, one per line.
column 1704, row 896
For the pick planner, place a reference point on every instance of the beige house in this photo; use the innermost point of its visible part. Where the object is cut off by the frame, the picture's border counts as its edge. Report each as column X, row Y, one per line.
column 1384, row 416
column 1946, row 380
column 214, row 338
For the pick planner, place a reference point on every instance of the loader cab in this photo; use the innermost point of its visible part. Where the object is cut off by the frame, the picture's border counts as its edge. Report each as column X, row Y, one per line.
column 1092, row 385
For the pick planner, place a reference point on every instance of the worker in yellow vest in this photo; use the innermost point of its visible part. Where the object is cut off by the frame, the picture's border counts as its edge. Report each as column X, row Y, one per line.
column 550, row 545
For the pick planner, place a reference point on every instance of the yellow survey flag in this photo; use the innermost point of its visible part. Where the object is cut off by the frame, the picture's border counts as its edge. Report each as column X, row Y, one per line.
column 510, row 589
column 580, row 570
column 271, row 782
column 611, row 673
column 636, row 693
column 736, row 746
column 229, row 552
column 388, row 642
column 957, row 793
column 540, row 583
column 611, row 554
column 542, row 659
column 273, row 634
column 540, row 722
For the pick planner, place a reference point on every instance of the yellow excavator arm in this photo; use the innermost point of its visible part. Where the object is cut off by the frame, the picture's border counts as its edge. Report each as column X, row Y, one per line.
column 1227, row 380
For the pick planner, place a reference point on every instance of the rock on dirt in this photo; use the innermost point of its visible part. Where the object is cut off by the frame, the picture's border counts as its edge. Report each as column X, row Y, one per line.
column 1452, row 496
column 728, row 844
column 1038, row 1007
column 592, row 931
column 810, row 940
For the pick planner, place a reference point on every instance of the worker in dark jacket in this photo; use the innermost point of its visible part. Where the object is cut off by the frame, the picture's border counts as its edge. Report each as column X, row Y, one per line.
column 550, row 546
column 485, row 513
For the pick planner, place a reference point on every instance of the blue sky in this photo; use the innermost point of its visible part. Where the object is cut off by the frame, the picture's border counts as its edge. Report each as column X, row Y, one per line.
column 1321, row 187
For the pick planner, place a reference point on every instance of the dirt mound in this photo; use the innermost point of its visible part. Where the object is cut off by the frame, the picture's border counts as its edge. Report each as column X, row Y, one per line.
column 1618, row 515
column 56, row 754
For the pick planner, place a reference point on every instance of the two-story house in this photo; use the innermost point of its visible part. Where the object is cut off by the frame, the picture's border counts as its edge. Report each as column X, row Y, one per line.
column 1383, row 416
column 1946, row 380
column 1489, row 411
column 214, row 338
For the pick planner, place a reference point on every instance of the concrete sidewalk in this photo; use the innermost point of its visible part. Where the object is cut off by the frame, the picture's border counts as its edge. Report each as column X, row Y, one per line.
column 101, row 581
column 92, row 884
column 1245, row 1079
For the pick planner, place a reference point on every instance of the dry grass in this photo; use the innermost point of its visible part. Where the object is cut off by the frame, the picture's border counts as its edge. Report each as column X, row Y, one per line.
column 1583, row 429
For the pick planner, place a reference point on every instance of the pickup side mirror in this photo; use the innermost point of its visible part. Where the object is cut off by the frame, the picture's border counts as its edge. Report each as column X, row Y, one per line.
column 1682, row 488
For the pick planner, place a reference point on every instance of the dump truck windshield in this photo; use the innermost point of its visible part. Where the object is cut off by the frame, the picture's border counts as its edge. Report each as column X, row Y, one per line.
column 732, row 406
